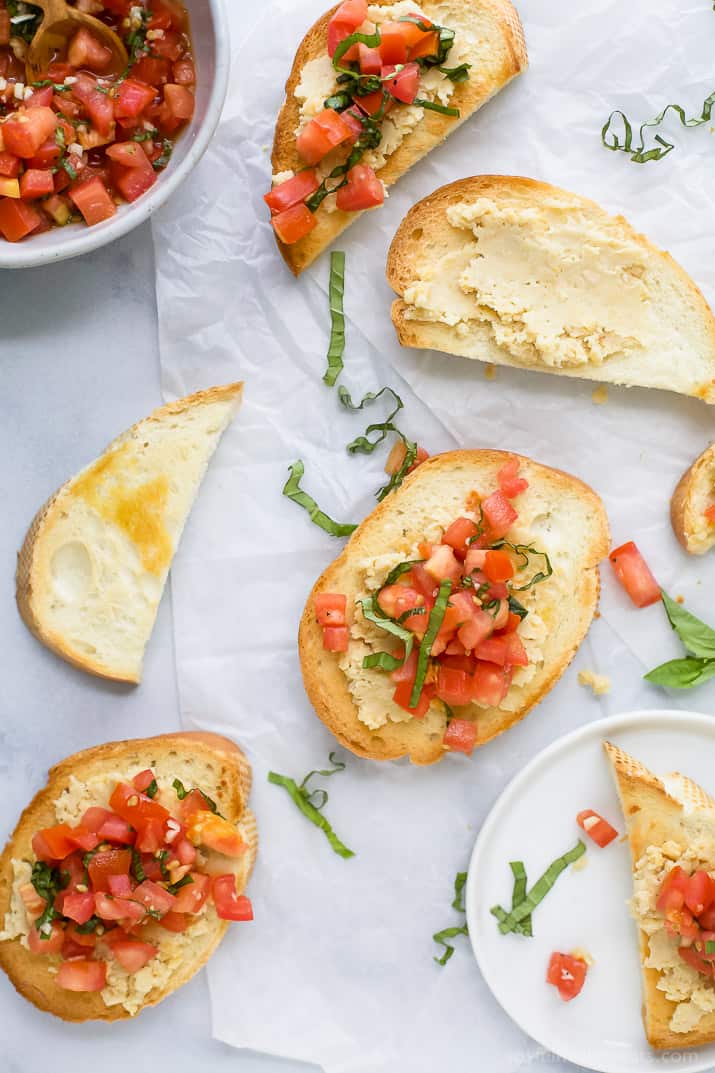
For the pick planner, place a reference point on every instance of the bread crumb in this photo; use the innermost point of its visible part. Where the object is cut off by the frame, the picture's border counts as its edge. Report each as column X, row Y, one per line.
column 680, row 599
column 599, row 395
column 599, row 683
column 490, row 371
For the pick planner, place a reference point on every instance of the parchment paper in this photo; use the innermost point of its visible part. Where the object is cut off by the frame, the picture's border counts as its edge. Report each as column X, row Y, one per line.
column 337, row 968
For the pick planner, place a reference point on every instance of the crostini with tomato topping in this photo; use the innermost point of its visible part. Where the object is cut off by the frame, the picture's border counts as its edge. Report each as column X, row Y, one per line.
column 374, row 87
column 692, row 508
column 455, row 606
column 671, row 831
column 123, row 873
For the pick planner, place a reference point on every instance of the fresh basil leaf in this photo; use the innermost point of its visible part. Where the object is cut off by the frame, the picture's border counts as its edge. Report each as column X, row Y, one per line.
column 525, row 551
column 697, row 637
column 295, row 493
column 509, row 921
column 435, row 621
column 336, row 291
column 623, row 142
column 516, row 608
column 682, row 673
column 300, row 798
column 432, row 106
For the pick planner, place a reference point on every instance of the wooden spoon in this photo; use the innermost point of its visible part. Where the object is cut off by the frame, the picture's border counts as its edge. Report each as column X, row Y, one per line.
column 58, row 26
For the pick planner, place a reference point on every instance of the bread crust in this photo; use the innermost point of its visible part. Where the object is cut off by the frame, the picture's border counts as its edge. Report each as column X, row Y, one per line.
column 427, row 220
column 29, row 580
column 654, row 817
column 431, row 131
column 28, row 973
column 683, row 515
column 421, row 740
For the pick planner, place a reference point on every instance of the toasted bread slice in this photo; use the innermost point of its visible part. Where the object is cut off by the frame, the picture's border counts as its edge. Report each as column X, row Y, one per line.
column 94, row 563
column 694, row 494
column 515, row 272
column 562, row 514
column 660, row 811
column 494, row 45
column 207, row 761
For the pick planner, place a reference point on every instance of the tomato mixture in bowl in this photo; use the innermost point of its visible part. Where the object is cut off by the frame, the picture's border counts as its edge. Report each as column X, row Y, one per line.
column 75, row 144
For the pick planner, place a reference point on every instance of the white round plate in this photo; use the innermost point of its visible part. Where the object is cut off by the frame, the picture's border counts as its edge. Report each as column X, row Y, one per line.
column 534, row 820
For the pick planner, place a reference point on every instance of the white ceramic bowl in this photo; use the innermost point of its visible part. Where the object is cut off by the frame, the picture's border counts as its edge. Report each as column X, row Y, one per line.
column 209, row 29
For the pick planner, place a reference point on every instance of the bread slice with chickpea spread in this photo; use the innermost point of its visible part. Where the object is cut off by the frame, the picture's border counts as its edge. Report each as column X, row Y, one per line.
column 122, row 874
column 511, row 271
column 455, row 606
column 94, row 563
column 361, row 110
column 671, row 831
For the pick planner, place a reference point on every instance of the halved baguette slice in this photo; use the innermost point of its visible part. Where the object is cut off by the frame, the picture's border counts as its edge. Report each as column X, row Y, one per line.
column 694, row 494
column 493, row 44
column 559, row 512
column 659, row 811
column 515, row 272
column 94, row 563
column 207, row 761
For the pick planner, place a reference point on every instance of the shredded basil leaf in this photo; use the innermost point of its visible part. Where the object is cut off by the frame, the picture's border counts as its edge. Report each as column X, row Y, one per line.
column 397, row 572
column 407, row 463
column 363, row 444
column 457, row 74
column 435, row 621
column 293, row 491
column 432, row 106
column 384, row 661
column 524, row 927
column 311, row 802
column 525, row 551
column 165, row 874
column 337, row 318
column 371, row 611
column 710, row 947
column 181, row 790
column 184, row 882
column 509, row 921
column 89, row 926
column 446, row 39
column 639, row 154
column 152, row 789
column 136, row 867
column 441, row 937
column 516, row 608
column 167, row 148
column 371, row 40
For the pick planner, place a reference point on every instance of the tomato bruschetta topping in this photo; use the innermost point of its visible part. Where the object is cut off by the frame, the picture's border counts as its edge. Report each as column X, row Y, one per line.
column 635, row 575
column 687, row 902
column 99, row 885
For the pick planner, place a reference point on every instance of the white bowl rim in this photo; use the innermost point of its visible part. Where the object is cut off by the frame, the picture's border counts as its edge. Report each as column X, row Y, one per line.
column 34, row 254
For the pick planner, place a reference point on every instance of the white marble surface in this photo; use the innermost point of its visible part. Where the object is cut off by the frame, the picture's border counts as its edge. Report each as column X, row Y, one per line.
column 79, row 363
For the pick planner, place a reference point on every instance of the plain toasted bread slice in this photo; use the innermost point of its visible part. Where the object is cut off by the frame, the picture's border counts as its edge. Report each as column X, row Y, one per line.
column 94, row 563
column 692, row 497
column 515, row 272
column 497, row 53
column 567, row 516
column 658, row 811
column 207, row 761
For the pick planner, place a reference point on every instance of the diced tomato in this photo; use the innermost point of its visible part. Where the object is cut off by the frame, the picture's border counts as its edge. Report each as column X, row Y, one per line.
column 499, row 513
column 184, row 72
column 133, row 956
column 493, row 650
column 372, row 103
column 150, row 834
column 93, row 201
column 98, row 106
column 34, row 904
column 458, row 534
column 154, row 70
column 336, row 638
column 143, row 780
column 193, row 802
column 474, row 559
column 132, row 171
column 402, row 695
column 370, row 60
column 402, row 83
column 408, row 671
column 52, row 843
column 363, row 191
column 177, row 922
column 491, row 684
column 83, row 940
column 597, row 829
column 134, row 806
column 105, row 863
column 81, row 974
column 23, row 132
column 443, row 564
column 476, row 631
column 78, row 907
column 453, row 686
column 110, row 908
column 229, row 904
column 154, row 897
column 458, row 661
column 115, row 829
column 517, row 655
column 74, row 871
column 635, row 575
column 184, row 851
column 94, row 817
column 498, row 565
column 344, row 22
column 292, row 191
column 461, row 736
column 672, row 891
column 353, row 118
column 191, row 898
column 511, row 624
column 427, row 46
column 10, row 165
column 707, row 919
column 510, row 483
column 331, row 608
column 568, row 974
column 699, row 892
column 52, row 944
column 180, row 101
column 120, row 886
column 293, row 224
column 322, row 134
column 695, row 960
column 213, row 831
column 397, row 599
column 393, row 45
column 36, row 183
column 85, row 50
column 424, row 582
column 41, row 98
column 133, row 97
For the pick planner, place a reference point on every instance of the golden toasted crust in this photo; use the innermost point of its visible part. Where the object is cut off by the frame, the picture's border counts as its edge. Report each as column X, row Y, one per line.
column 653, row 817
column 426, row 227
column 683, row 509
column 421, row 740
column 27, row 579
column 509, row 60
column 211, row 755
